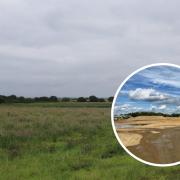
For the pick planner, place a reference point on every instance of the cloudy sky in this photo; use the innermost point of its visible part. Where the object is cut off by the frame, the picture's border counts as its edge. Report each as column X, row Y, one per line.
column 154, row 89
column 82, row 47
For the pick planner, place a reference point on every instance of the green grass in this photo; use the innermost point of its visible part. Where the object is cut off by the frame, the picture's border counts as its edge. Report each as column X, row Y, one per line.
column 46, row 141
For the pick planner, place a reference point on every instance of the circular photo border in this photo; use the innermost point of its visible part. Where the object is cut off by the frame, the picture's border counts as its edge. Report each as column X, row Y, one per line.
column 112, row 115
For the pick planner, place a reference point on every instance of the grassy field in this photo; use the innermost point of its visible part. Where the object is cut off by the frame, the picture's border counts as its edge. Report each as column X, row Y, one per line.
column 66, row 141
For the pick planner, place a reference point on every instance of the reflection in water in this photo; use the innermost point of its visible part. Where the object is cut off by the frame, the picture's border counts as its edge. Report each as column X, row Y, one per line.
column 124, row 126
column 119, row 126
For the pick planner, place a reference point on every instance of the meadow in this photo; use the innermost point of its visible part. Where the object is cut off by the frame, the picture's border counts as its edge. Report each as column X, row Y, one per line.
column 66, row 141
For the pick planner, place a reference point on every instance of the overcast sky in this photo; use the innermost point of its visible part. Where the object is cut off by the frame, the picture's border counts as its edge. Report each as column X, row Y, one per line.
column 82, row 47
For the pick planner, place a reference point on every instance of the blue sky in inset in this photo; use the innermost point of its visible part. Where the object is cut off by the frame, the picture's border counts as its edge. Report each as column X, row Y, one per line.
column 155, row 89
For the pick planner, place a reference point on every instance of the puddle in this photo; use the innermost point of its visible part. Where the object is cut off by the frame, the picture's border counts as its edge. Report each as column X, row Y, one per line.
column 118, row 126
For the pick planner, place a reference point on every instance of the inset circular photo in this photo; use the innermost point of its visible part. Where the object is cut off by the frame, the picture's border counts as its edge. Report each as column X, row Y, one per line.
column 146, row 114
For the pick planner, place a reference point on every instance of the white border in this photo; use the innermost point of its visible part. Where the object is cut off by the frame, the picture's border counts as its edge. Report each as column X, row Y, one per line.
column 112, row 115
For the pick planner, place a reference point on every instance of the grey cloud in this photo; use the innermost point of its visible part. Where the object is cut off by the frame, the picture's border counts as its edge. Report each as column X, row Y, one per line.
column 74, row 48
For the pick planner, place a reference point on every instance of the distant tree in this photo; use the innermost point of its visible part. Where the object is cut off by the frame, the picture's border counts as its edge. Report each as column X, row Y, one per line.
column 93, row 98
column 41, row 99
column 81, row 99
column 36, row 99
column 110, row 99
column 101, row 100
column 135, row 114
column 44, row 98
column 65, row 99
column 2, row 100
column 21, row 99
column 53, row 99
column 29, row 100
column 11, row 98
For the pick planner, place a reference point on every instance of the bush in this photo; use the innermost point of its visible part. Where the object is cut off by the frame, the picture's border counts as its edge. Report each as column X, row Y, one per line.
column 110, row 99
column 2, row 100
column 93, row 99
column 65, row 99
column 81, row 99
column 53, row 99
column 101, row 100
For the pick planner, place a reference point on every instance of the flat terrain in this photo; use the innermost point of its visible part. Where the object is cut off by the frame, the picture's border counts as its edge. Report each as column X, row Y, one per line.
column 66, row 141
column 152, row 138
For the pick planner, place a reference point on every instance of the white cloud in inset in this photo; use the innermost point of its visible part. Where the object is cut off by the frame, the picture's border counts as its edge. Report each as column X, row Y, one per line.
column 173, row 83
column 162, row 107
column 123, row 107
column 153, row 108
column 147, row 94
column 126, row 108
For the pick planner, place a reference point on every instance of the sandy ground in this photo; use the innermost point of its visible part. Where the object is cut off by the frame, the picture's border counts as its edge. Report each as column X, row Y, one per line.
column 130, row 139
column 144, row 122
column 152, row 138
column 130, row 130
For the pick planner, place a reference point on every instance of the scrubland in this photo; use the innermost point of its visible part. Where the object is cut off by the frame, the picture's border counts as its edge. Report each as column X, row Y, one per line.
column 66, row 141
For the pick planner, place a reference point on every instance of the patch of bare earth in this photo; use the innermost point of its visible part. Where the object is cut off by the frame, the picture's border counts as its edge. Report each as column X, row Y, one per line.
column 130, row 139
column 152, row 138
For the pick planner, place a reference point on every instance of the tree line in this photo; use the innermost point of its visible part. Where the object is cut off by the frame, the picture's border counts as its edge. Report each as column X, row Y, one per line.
column 135, row 114
column 21, row 99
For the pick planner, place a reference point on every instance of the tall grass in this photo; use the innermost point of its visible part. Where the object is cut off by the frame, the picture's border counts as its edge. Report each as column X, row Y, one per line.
column 50, row 142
